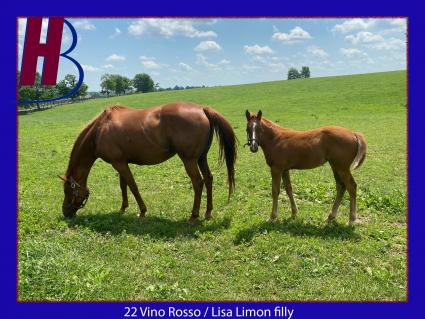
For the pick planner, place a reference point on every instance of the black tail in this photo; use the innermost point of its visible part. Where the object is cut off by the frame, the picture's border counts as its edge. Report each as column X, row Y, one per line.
column 227, row 143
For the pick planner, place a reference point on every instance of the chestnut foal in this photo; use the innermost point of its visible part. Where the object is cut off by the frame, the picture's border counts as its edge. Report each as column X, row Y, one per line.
column 286, row 149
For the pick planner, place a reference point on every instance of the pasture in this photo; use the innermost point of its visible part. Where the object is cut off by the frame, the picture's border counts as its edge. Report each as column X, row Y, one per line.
column 105, row 255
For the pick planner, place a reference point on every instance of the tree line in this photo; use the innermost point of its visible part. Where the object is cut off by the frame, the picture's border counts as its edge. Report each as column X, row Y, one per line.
column 42, row 92
column 141, row 83
column 304, row 73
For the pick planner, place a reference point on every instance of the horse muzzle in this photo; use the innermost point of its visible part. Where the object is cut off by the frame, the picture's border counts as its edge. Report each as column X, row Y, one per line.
column 69, row 211
column 253, row 147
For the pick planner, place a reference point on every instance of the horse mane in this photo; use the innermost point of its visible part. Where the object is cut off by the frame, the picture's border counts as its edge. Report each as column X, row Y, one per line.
column 88, row 134
column 273, row 125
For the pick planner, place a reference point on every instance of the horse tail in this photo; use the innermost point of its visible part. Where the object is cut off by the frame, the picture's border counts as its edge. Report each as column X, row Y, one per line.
column 227, row 143
column 361, row 151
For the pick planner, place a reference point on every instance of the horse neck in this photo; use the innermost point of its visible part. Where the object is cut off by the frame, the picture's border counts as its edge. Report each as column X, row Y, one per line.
column 82, row 159
column 269, row 133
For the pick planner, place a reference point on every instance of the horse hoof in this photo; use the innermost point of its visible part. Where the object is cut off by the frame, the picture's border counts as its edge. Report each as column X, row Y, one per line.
column 208, row 216
column 351, row 223
column 122, row 209
column 141, row 215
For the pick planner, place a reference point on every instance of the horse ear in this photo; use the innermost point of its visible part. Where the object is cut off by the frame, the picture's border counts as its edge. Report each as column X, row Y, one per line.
column 259, row 114
column 248, row 115
column 62, row 178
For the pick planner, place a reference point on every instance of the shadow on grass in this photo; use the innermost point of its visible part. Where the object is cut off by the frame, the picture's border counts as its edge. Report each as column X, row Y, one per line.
column 115, row 223
column 298, row 228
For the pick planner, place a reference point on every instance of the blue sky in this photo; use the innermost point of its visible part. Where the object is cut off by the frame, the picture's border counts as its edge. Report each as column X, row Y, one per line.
column 230, row 51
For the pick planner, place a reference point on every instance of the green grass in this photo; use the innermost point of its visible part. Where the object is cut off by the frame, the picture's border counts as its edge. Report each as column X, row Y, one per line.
column 104, row 255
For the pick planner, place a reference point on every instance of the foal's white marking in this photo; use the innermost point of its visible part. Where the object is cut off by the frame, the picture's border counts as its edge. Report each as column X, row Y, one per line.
column 253, row 131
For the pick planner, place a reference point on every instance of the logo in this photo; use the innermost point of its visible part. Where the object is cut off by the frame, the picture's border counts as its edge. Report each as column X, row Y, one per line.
column 50, row 51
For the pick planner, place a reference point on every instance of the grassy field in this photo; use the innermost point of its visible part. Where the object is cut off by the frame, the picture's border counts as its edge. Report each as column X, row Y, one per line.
column 104, row 255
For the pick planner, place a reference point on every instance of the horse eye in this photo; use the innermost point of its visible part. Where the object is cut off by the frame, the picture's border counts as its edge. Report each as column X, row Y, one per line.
column 72, row 185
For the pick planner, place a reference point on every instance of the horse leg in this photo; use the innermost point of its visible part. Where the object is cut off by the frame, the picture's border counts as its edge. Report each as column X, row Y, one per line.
column 208, row 179
column 340, row 190
column 351, row 186
column 197, row 182
column 123, row 186
column 124, row 171
column 276, row 176
column 288, row 188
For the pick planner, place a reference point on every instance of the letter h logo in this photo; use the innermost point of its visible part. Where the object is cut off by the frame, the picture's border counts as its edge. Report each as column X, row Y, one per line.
column 49, row 50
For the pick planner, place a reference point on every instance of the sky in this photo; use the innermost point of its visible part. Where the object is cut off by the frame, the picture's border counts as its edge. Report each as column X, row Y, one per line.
column 211, row 52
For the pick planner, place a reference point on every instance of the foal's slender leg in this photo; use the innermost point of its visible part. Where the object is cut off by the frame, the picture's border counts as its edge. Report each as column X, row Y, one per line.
column 276, row 177
column 351, row 186
column 340, row 190
column 123, row 186
column 288, row 188
column 124, row 171
column 197, row 182
column 208, row 178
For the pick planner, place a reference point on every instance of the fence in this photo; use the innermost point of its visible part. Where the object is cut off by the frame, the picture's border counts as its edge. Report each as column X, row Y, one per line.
column 36, row 107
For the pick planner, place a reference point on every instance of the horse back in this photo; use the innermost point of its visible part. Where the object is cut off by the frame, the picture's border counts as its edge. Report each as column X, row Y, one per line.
column 151, row 136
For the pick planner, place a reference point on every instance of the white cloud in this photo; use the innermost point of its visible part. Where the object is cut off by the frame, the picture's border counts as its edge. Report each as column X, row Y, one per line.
column 316, row 51
column 115, row 57
column 224, row 61
column 208, row 46
column 364, row 37
column 89, row 68
column 150, row 63
column 353, row 25
column 84, row 25
column 202, row 60
column 250, row 67
column 353, row 53
column 296, row 34
column 116, row 33
column 399, row 22
column 276, row 67
column 389, row 44
column 258, row 50
column 107, row 66
column 168, row 28
column 185, row 66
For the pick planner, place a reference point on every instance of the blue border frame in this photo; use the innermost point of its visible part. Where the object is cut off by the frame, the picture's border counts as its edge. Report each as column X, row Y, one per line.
column 9, row 308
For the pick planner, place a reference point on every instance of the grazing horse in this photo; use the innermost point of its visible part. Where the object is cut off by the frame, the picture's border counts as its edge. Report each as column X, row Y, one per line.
column 121, row 135
column 286, row 149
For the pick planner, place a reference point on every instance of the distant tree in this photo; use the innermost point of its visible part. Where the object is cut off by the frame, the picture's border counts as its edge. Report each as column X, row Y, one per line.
column 293, row 74
column 142, row 82
column 68, row 84
column 305, row 72
column 82, row 91
column 107, row 83
column 121, row 85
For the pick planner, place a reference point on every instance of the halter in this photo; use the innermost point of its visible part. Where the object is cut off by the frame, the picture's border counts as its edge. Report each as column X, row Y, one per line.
column 250, row 140
column 76, row 193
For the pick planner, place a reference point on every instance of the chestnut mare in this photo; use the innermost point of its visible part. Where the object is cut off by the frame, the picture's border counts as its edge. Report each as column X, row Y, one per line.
column 286, row 149
column 121, row 135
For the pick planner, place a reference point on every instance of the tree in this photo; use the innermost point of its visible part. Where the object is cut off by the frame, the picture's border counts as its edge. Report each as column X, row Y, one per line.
column 293, row 74
column 68, row 84
column 32, row 93
column 305, row 72
column 142, row 82
column 107, row 83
